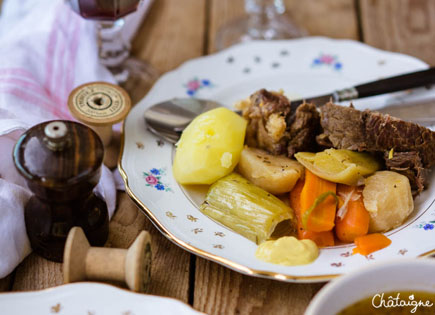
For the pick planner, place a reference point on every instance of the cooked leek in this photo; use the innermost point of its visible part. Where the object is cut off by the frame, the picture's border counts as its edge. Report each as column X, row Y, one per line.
column 245, row 208
column 339, row 166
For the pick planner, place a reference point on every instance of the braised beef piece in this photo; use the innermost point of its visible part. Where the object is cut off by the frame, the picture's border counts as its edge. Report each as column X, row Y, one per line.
column 273, row 128
column 413, row 145
column 266, row 108
column 270, row 103
column 343, row 128
column 348, row 128
column 303, row 128
column 410, row 165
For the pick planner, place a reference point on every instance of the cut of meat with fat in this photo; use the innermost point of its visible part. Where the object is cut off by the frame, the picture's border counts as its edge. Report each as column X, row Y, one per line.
column 412, row 146
column 348, row 128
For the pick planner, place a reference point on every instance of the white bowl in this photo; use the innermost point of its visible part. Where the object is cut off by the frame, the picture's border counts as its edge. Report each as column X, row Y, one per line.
column 401, row 275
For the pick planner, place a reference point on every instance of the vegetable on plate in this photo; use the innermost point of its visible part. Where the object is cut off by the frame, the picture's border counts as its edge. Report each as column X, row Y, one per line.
column 367, row 244
column 209, row 147
column 352, row 217
column 388, row 199
column 245, row 208
column 322, row 239
column 339, row 166
column 318, row 203
column 276, row 174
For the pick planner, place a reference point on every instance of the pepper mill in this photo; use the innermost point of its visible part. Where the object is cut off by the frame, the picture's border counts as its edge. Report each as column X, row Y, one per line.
column 99, row 105
column 131, row 266
column 61, row 163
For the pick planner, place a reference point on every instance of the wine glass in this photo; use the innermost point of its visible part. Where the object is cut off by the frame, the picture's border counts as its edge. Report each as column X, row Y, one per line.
column 265, row 20
column 135, row 75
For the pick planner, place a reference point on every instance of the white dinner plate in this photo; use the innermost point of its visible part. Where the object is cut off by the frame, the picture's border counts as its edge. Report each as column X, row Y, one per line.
column 302, row 68
column 89, row 298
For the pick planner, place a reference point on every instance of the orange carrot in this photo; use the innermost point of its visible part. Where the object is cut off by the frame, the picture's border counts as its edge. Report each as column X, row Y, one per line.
column 318, row 208
column 356, row 220
column 322, row 239
column 370, row 243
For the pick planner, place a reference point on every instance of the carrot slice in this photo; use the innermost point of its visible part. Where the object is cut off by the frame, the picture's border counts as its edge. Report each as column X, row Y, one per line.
column 322, row 239
column 322, row 217
column 370, row 243
column 356, row 221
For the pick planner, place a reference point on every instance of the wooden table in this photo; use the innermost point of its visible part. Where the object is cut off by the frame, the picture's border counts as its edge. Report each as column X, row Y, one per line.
column 178, row 30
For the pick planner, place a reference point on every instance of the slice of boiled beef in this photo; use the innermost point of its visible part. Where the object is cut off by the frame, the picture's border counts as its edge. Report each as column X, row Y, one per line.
column 348, row 128
column 413, row 145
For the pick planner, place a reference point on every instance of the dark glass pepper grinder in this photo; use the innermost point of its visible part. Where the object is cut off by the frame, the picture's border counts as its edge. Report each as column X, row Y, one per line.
column 61, row 162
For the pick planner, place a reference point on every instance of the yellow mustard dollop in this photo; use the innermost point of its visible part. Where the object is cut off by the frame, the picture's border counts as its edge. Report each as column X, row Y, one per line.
column 288, row 251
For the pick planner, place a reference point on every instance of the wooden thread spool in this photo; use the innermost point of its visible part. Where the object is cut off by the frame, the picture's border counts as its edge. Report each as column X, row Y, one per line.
column 131, row 266
column 99, row 105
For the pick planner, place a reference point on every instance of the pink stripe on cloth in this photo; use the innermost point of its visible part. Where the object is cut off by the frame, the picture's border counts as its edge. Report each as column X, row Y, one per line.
column 73, row 48
column 33, row 99
column 50, row 51
column 61, row 56
column 26, row 84
column 18, row 72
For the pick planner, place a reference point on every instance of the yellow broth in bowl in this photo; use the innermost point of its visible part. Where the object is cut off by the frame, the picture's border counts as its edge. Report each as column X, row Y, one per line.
column 403, row 302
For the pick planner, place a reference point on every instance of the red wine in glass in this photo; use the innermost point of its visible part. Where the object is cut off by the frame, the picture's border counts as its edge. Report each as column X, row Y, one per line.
column 105, row 10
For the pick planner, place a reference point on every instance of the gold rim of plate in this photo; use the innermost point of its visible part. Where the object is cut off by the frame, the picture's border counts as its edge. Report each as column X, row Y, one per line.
column 220, row 260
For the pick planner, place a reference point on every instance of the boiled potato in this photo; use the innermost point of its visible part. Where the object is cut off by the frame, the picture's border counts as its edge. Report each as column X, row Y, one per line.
column 209, row 147
column 339, row 166
column 388, row 199
column 275, row 174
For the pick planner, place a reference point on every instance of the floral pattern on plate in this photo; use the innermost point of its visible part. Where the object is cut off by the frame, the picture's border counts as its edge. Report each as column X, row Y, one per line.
column 153, row 179
column 427, row 226
column 195, row 84
column 328, row 60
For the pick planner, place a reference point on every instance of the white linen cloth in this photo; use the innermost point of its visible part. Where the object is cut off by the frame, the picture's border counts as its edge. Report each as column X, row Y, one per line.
column 45, row 51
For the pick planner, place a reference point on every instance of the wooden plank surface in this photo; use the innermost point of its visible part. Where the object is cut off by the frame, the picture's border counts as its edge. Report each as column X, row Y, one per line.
column 406, row 26
column 220, row 290
column 172, row 33
column 36, row 273
column 6, row 282
column 333, row 18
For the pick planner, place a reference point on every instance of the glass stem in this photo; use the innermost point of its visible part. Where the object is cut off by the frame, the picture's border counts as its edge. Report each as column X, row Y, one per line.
column 113, row 49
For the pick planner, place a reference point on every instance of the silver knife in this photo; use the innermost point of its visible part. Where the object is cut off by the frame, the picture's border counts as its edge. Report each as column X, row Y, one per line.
column 383, row 86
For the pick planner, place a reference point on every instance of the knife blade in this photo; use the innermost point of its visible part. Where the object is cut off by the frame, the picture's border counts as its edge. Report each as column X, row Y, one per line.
column 378, row 87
